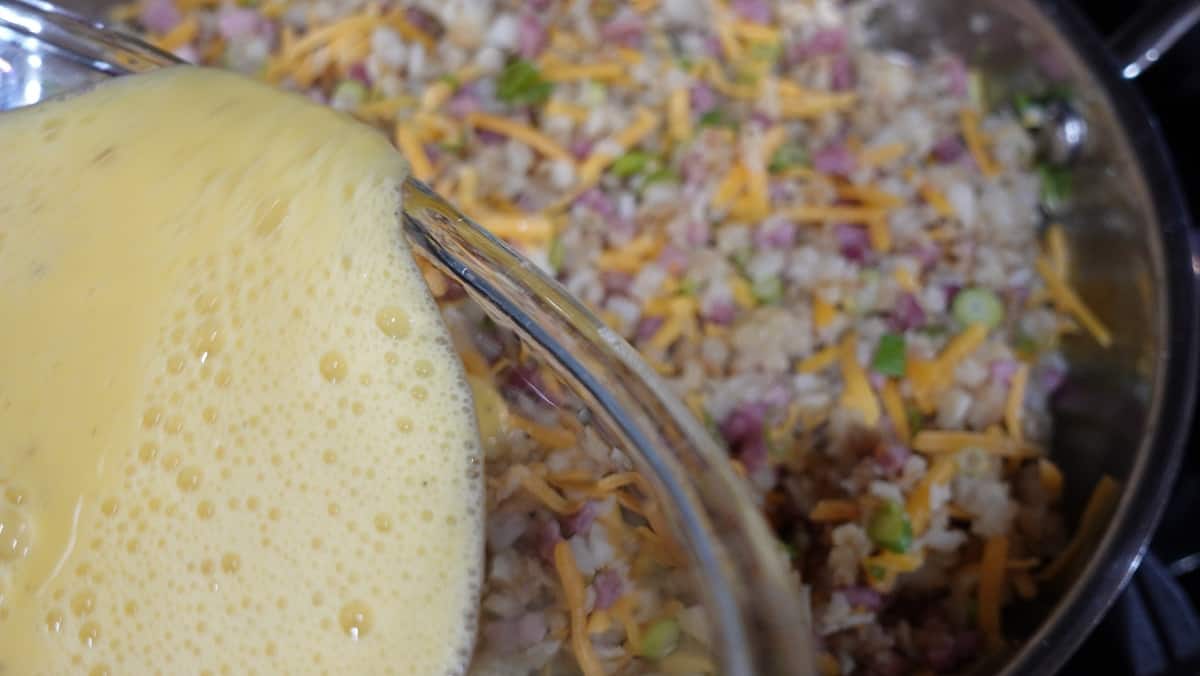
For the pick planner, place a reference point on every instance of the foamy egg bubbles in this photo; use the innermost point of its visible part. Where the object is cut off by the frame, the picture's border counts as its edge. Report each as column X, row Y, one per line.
column 234, row 435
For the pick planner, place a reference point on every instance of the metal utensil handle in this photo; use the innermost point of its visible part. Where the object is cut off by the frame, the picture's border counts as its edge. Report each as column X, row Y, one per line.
column 1151, row 32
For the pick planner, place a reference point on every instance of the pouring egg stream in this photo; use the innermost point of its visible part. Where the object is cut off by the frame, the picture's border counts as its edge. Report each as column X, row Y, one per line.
column 234, row 434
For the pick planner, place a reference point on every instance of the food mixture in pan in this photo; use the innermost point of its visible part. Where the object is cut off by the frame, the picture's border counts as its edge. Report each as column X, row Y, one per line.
column 843, row 260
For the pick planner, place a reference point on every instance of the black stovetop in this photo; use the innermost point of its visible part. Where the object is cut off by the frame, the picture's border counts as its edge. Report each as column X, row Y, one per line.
column 1153, row 629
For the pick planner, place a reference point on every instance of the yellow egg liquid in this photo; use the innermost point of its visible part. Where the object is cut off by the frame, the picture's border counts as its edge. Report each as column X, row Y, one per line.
column 234, row 436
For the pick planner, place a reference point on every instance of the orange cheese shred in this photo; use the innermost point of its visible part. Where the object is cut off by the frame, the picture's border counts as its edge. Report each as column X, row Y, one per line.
column 991, row 589
column 573, row 589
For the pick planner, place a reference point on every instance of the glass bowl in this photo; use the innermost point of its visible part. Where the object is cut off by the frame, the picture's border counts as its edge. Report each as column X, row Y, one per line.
column 756, row 622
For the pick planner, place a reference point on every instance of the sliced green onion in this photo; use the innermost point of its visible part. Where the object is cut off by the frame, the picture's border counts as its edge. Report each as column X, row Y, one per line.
column 688, row 287
column 978, row 306
column 741, row 258
column 889, row 356
column 451, row 80
column 1025, row 344
column 766, row 51
column 786, row 157
column 555, row 254
column 890, row 528
column 630, row 163
column 715, row 118
column 1056, row 185
column 348, row 94
column 977, row 89
column 594, row 93
column 1030, row 112
column 662, row 175
column 916, row 420
column 521, row 83
column 768, row 290
column 660, row 639
column 934, row 330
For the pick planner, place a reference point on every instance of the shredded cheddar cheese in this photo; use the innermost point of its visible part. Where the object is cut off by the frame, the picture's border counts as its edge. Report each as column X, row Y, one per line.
column 730, row 186
column 939, row 442
column 601, row 72
column 893, row 404
column 868, row 195
column 538, row 488
column 856, row 391
column 1016, row 402
column 1096, row 512
column 521, row 132
column 408, row 31
column 834, row 511
column 624, row 610
column 935, row 199
column 568, row 110
column 550, row 437
column 918, row 503
column 832, row 213
column 418, row 161
column 928, row 378
column 631, row 257
column 383, row 109
column 818, row 361
column 828, row 665
column 823, row 312
column 879, row 234
column 180, row 35
column 883, row 568
column 743, row 293
column 991, row 589
column 573, row 589
column 519, row 227
column 882, row 155
column 435, row 96
column 599, row 622
column 644, row 124
column 977, row 142
column 1056, row 248
column 1051, row 478
column 679, row 115
column 1069, row 301
column 614, row 482
column 904, row 277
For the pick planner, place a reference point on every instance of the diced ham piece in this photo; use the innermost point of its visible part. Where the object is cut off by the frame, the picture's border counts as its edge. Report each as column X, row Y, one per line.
column 607, row 587
column 754, row 11
column 836, row 159
column 907, row 314
column 160, row 16
column 237, row 23
column 948, row 149
column 702, row 97
column 853, row 242
column 626, row 29
column 579, row 523
column 531, row 37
